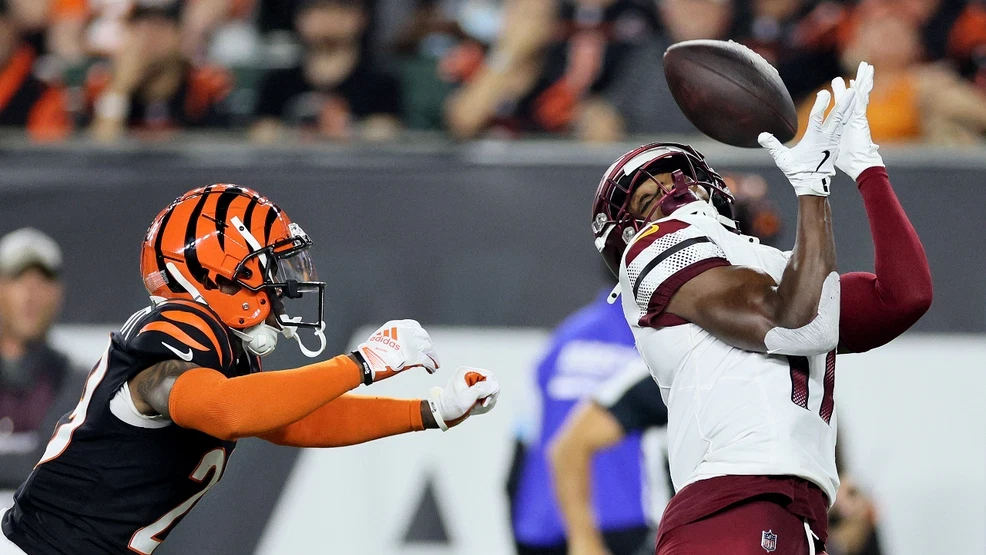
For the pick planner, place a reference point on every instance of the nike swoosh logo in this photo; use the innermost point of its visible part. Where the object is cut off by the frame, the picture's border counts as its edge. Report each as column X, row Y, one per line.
column 827, row 154
column 187, row 357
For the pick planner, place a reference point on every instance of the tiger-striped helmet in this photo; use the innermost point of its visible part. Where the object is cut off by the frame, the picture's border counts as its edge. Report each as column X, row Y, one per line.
column 234, row 250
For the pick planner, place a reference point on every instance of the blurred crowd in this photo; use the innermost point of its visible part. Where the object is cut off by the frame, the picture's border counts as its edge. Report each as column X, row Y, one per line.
column 308, row 70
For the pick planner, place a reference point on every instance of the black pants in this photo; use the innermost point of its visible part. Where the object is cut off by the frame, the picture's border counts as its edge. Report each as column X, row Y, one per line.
column 628, row 541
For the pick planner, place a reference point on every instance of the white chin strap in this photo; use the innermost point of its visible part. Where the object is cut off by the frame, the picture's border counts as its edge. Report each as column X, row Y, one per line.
column 259, row 340
column 262, row 339
column 292, row 332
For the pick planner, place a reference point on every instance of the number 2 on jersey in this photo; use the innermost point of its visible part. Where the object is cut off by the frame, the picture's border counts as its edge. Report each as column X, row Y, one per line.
column 799, row 385
column 145, row 541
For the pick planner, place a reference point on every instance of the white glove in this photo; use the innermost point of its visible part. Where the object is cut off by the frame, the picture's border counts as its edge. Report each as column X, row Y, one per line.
column 810, row 165
column 469, row 391
column 857, row 151
column 395, row 347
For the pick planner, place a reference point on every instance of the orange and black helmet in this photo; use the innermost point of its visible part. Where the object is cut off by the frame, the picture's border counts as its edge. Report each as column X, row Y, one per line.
column 234, row 250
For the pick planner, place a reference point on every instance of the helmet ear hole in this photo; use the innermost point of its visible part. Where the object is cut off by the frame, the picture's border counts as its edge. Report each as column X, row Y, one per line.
column 227, row 286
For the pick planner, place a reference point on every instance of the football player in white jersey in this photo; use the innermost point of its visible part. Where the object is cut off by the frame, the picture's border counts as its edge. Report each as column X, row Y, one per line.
column 741, row 337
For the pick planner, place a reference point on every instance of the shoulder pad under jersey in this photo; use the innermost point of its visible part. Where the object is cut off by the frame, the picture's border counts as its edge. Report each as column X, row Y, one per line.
column 181, row 330
column 660, row 259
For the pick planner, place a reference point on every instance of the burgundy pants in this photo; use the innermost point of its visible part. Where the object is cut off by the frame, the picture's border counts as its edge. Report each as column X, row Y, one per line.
column 754, row 528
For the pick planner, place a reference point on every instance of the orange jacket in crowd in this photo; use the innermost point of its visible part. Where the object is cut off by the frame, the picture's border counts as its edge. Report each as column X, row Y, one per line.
column 30, row 103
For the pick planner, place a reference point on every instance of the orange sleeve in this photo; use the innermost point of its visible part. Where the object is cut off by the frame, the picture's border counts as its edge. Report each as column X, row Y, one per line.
column 349, row 420
column 968, row 33
column 252, row 405
column 69, row 9
column 49, row 119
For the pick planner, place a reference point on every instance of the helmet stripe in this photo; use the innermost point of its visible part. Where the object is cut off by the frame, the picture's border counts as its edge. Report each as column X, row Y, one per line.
column 205, row 313
column 248, row 215
column 191, row 252
column 174, row 331
column 222, row 209
column 196, row 321
column 159, row 252
column 269, row 222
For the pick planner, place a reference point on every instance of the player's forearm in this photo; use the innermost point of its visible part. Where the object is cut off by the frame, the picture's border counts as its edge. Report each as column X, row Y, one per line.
column 878, row 307
column 571, row 463
column 812, row 260
column 900, row 261
column 351, row 419
column 231, row 408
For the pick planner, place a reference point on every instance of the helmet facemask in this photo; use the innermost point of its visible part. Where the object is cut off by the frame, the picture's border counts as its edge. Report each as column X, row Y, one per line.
column 289, row 277
column 615, row 224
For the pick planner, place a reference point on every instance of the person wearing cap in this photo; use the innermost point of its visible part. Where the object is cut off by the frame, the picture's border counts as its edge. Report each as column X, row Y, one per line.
column 152, row 87
column 34, row 378
column 27, row 102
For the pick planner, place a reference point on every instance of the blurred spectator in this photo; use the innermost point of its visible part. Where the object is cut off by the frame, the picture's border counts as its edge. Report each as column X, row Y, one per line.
column 508, row 72
column 639, row 91
column 82, row 28
column 35, row 388
column 597, row 75
column 335, row 93
column 26, row 102
column 853, row 522
column 442, row 45
column 30, row 15
column 953, row 29
column 911, row 100
column 152, row 86
column 798, row 37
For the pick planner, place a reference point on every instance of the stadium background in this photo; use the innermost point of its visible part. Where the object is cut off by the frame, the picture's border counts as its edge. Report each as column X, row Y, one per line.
column 489, row 243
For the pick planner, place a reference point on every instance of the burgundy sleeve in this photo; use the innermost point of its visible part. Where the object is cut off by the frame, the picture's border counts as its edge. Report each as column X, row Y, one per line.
column 878, row 307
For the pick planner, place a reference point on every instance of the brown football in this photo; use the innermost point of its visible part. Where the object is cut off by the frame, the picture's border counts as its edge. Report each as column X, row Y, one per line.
column 729, row 92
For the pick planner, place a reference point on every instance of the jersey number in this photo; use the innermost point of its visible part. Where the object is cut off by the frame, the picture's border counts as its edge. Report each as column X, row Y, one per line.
column 63, row 433
column 145, row 541
column 799, row 385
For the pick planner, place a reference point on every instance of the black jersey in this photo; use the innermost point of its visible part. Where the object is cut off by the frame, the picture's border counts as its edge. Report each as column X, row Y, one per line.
column 112, row 480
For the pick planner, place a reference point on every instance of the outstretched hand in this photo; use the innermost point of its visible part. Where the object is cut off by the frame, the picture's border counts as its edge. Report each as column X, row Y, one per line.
column 810, row 164
column 856, row 150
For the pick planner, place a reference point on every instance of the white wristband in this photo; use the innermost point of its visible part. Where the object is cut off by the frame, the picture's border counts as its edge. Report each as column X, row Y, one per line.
column 112, row 105
column 812, row 187
column 433, row 401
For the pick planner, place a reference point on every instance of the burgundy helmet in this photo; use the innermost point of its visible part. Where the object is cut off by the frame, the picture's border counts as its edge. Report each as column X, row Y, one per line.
column 612, row 222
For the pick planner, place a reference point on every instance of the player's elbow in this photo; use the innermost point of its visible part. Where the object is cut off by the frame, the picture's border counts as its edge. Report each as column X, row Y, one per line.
column 916, row 301
column 218, row 423
column 227, row 431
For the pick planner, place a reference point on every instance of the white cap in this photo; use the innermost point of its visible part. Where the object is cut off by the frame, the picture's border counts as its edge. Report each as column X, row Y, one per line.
column 28, row 247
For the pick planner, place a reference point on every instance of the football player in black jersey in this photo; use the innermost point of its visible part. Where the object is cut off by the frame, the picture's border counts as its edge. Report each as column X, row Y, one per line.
column 180, row 382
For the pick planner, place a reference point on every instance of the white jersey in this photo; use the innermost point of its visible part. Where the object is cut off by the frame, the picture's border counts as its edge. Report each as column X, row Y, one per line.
column 731, row 411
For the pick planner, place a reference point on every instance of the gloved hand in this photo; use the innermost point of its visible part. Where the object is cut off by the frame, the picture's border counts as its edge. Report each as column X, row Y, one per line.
column 856, row 150
column 810, row 165
column 395, row 347
column 469, row 391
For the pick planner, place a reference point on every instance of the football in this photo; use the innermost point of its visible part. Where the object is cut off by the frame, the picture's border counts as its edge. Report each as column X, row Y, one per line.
column 729, row 92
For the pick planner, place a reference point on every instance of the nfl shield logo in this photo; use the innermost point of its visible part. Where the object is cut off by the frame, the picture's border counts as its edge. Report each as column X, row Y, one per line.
column 769, row 541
